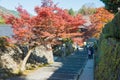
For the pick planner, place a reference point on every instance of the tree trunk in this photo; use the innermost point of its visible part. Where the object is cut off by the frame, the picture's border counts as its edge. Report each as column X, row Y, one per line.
column 22, row 67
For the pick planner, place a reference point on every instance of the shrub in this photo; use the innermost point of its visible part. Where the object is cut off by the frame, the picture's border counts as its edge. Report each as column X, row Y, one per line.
column 3, row 42
column 112, row 29
column 108, row 60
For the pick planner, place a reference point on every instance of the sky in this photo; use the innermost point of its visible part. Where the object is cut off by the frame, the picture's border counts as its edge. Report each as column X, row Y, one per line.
column 65, row 4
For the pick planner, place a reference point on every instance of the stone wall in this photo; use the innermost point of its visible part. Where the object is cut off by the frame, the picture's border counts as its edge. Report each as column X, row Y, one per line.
column 10, row 58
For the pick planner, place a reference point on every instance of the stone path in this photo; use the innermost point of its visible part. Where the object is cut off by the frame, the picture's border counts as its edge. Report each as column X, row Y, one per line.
column 88, row 71
column 68, row 68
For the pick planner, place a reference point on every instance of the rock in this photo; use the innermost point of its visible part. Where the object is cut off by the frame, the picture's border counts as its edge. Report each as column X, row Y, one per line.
column 41, row 55
column 10, row 59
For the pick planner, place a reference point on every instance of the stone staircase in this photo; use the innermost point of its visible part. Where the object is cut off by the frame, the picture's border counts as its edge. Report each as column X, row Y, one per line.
column 68, row 68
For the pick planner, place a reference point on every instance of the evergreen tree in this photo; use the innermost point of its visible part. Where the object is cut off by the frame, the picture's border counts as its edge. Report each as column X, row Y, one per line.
column 87, row 10
column 112, row 29
column 112, row 5
column 107, row 61
column 71, row 12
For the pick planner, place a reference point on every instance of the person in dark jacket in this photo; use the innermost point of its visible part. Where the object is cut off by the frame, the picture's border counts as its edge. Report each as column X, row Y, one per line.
column 91, row 51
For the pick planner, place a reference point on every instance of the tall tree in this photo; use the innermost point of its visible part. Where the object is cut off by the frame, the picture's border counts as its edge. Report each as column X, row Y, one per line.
column 87, row 9
column 50, row 23
column 71, row 12
column 112, row 5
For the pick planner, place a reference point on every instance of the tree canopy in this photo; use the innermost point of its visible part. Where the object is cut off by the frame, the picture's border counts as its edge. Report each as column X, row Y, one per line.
column 71, row 12
column 112, row 5
column 87, row 9
column 48, row 25
column 98, row 20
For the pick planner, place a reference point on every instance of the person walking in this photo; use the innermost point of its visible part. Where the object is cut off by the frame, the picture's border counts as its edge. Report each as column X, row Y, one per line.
column 90, row 52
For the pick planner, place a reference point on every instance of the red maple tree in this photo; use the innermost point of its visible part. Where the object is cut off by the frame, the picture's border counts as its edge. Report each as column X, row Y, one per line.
column 98, row 20
column 50, row 23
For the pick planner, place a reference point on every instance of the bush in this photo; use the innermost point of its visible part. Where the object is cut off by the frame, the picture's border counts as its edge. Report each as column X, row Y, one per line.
column 108, row 65
column 3, row 43
column 112, row 29
column 108, row 53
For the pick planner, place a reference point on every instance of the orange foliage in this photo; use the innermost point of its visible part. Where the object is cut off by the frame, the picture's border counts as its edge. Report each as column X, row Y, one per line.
column 78, row 41
column 98, row 20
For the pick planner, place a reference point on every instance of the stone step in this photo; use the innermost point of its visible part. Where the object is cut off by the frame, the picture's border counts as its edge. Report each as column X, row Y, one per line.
column 57, row 79
column 72, row 66
column 77, row 55
column 74, row 62
column 68, row 71
column 75, row 59
column 63, row 76
column 68, row 65
column 61, row 69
